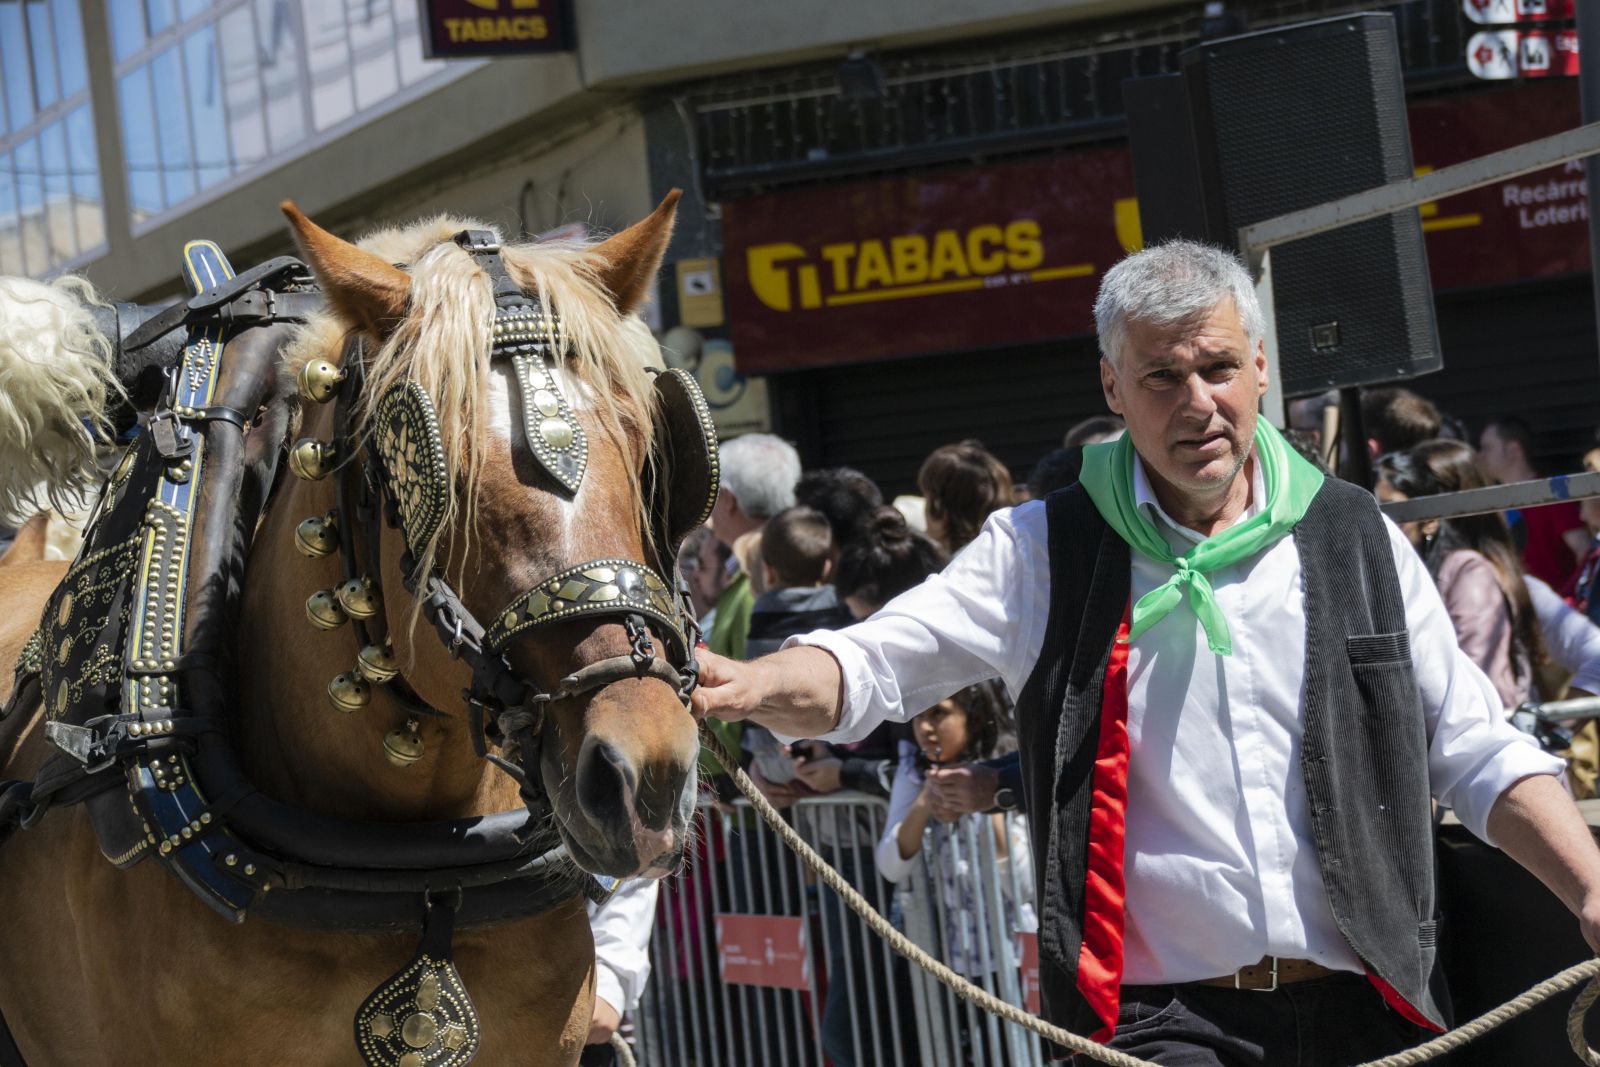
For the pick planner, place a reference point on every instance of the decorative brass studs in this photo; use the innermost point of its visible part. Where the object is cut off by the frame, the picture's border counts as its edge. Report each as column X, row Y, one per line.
column 376, row 664
column 557, row 433
column 359, row 598
column 317, row 536
column 349, row 692
column 324, row 611
column 403, row 746
column 312, row 459
column 319, row 381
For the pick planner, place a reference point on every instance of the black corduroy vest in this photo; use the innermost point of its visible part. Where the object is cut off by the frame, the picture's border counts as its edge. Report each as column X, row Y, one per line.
column 1363, row 752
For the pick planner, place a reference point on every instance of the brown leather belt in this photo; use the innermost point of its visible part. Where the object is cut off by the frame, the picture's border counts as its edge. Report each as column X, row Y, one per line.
column 1269, row 974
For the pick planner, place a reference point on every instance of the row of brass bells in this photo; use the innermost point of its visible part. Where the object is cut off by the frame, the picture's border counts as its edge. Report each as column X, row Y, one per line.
column 376, row 664
column 349, row 692
column 359, row 598
column 317, row 536
column 319, row 381
column 404, row 745
column 312, row 459
column 324, row 610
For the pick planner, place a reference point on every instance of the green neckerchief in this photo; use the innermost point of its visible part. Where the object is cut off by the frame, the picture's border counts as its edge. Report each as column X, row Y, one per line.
column 1290, row 484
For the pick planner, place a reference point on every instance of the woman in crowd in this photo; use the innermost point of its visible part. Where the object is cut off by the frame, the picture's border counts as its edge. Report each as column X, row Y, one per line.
column 961, row 484
column 1474, row 563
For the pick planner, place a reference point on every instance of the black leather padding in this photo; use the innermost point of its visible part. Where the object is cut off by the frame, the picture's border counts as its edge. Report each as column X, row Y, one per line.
column 682, row 486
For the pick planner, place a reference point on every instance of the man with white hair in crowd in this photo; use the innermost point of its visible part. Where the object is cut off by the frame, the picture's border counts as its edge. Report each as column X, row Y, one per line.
column 1236, row 689
column 759, row 473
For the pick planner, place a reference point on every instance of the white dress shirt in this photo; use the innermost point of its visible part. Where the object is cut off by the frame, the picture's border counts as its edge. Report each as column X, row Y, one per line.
column 1571, row 639
column 1220, row 863
column 621, row 929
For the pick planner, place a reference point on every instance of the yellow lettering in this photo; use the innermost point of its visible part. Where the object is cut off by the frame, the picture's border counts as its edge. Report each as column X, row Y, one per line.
column 810, row 287
column 453, row 28
column 768, row 280
column 947, row 256
column 980, row 261
column 873, row 266
column 840, row 256
column 910, row 255
column 1024, row 250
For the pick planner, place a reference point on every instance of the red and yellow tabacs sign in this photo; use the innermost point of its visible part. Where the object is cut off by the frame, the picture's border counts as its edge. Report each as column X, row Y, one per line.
column 986, row 257
column 934, row 263
column 463, row 28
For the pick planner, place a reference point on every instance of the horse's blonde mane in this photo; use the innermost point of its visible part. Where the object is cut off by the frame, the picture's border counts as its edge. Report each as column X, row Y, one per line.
column 55, row 381
column 443, row 343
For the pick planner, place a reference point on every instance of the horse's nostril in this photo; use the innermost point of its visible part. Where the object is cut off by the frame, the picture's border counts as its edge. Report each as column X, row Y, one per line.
column 606, row 780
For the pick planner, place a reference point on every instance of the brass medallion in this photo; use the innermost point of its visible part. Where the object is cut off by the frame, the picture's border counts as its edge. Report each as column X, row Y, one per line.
column 421, row 1017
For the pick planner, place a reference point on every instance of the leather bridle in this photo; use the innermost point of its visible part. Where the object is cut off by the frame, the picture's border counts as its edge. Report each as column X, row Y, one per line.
column 505, row 707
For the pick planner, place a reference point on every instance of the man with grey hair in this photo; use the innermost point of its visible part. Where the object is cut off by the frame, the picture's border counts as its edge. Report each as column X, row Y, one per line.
column 1236, row 687
column 759, row 473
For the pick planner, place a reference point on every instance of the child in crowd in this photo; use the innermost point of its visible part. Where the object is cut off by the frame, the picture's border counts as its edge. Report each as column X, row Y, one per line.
column 967, row 726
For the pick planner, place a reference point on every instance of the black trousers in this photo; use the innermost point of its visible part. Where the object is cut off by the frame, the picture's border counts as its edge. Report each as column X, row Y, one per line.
column 1335, row 1021
column 598, row 1056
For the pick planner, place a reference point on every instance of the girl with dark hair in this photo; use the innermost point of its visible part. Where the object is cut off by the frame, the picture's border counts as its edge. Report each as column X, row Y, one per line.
column 972, row 725
column 962, row 484
column 1474, row 562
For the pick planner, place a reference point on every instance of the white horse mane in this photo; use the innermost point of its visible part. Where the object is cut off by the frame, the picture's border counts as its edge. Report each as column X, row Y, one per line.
column 55, row 380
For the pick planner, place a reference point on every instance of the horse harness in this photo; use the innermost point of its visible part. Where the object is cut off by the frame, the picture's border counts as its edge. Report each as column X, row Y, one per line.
column 129, row 660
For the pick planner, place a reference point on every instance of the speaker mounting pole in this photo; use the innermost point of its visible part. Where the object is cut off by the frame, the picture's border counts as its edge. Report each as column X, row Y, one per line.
column 1589, row 95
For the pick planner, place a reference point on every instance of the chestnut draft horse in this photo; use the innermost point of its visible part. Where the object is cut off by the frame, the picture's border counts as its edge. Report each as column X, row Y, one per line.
column 103, row 966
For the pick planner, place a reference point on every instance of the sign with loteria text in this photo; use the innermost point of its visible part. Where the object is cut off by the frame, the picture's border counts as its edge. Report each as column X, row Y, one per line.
column 764, row 950
column 458, row 29
column 1525, row 227
column 957, row 259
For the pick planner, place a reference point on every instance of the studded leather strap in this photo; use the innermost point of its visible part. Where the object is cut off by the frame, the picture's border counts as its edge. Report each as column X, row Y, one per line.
column 599, row 587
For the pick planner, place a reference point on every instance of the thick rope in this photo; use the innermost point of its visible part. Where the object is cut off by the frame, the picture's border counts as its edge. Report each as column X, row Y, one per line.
column 624, row 1053
column 1446, row 1042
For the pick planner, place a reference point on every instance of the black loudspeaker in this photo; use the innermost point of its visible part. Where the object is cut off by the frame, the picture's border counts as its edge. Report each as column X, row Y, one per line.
column 1287, row 119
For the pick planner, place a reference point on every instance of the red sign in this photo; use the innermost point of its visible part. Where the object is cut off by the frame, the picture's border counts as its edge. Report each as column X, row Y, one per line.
column 1508, row 12
column 1497, row 55
column 456, row 29
column 1028, row 952
column 939, row 262
column 997, row 255
column 764, row 950
column 1524, row 227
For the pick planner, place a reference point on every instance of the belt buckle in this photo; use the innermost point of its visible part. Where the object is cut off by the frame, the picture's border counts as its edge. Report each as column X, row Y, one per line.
column 1273, row 988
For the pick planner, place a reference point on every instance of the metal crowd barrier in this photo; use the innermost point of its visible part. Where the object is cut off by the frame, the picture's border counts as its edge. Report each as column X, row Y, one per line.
column 748, row 953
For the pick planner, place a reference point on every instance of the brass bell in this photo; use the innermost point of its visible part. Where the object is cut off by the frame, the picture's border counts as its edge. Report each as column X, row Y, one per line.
column 323, row 609
column 317, row 536
column 319, row 381
column 376, row 664
column 311, row 459
column 349, row 692
column 359, row 598
column 403, row 746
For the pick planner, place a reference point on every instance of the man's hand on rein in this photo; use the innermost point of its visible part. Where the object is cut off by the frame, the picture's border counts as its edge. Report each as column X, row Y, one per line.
column 795, row 692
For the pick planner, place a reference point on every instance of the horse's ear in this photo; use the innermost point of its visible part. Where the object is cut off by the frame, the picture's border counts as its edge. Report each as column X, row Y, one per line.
column 367, row 292
column 630, row 259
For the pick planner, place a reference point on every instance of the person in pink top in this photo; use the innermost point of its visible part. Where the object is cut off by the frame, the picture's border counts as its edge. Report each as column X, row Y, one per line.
column 1474, row 562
